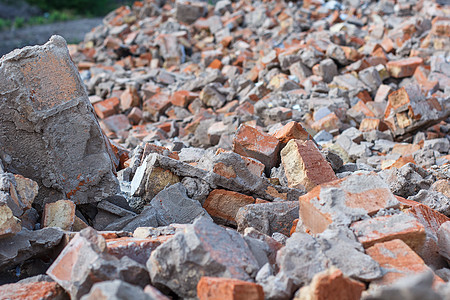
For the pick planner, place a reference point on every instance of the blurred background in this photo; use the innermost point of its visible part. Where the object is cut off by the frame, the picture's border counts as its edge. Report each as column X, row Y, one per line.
column 31, row 22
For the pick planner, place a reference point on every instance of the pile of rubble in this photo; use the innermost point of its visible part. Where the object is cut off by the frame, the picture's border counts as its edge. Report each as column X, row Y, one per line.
column 241, row 150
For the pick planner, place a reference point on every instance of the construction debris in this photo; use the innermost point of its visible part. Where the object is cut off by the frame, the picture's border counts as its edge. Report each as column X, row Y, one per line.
column 231, row 150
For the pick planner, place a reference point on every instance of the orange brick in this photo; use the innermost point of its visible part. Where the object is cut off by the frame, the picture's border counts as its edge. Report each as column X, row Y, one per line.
column 332, row 284
column 364, row 96
column 329, row 123
column 182, row 98
column 401, row 98
column 362, row 194
column 382, row 93
column 216, row 64
column 362, row 108
column 152, row 148
column 304, row 165
column 135, row 115
column 387, row 228
column 258, row 145
column 430, row 218
column 129, row 98
column 107, row 107
column 32, row 291
column 369, row 124
column 404, row 67
column 292, row 130
column 388, row 45
column 213, row 288
column 223, row 205
column 405, row 149
column 294, row 227
column 157, row 104
column 400, row 162
column 398, row 260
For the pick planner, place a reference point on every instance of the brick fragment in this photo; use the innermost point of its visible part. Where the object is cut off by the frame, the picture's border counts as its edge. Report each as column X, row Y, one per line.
column 292, row 130
column 398, row 260
column 256, row 144
column 223, row 205
column 215, row 288
column 404, row 67
column 330, row 123
column 9, row 224
column 304, row 165
column 386, row 228
column 344, row 201
column 107, row 107
column 138, row 249
column 331, row 284
column 59, row 214
column 33, row 291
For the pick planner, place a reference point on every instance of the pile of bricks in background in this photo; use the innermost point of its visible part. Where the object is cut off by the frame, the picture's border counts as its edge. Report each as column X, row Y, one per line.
column 241, row 150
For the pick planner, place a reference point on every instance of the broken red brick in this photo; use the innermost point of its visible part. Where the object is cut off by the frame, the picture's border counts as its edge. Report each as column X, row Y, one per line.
column 404, row 67
column 129, row 98
column 258, row 145
column 223, row 205
column 135, row 248
column 332, row 284
column 213, row 288
column 398, row 260
column 32, row 291
column 328, row 123
column 387, row 228
column 292, row 130
column 107, row 107
column 304, row 165
column 361, row 194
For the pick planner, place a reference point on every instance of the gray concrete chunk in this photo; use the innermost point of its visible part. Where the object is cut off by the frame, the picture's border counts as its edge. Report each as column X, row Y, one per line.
column 48, row 128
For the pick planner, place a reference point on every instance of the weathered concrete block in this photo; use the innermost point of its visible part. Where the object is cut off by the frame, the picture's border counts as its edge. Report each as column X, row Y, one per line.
column 16, row 249
column 443, row 235
column 203, row 249
column 48, row 130
column 268, row 218
column 172, row 205
column 116, row 289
